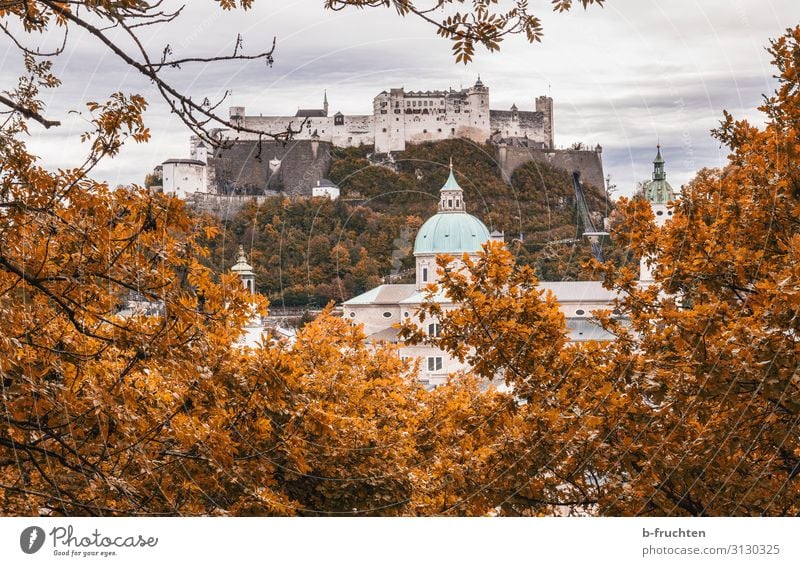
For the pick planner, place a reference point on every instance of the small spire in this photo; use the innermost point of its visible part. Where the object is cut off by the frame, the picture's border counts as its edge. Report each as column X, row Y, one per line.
column 451, row 163
column 242, row 256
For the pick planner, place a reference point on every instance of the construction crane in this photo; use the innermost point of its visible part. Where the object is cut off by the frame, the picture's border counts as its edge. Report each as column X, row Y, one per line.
column 589, row 230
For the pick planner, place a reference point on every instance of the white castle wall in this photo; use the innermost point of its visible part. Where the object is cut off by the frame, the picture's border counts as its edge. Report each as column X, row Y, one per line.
column 400, row 117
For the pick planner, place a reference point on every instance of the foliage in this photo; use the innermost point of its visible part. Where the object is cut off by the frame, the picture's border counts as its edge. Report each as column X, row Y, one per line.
column 714, row 342
column 308, row 252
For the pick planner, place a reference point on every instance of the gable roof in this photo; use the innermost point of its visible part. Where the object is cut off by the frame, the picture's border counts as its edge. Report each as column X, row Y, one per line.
column 310, row 113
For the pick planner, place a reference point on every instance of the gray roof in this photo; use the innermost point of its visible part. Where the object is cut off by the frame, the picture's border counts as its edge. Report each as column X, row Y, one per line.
column 310, row 113
column 185, row 161
column 579, row 291
column 384, row 295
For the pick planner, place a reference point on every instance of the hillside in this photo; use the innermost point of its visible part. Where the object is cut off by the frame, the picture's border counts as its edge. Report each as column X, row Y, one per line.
column 311, row 251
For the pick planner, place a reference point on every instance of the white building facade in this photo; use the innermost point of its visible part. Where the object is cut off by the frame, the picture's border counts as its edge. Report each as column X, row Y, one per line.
column 399, row 117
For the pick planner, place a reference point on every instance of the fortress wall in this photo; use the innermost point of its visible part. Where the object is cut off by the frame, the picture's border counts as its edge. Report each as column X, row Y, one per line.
column 223, row 206
column 530, row 124
column 357, row 130
column 242, row 169
column 588, row 162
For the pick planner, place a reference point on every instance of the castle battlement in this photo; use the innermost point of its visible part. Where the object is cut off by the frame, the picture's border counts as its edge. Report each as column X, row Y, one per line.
column 400, row 117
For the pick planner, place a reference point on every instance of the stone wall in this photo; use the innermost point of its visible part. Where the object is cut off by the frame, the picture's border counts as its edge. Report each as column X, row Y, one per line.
column 293, row 167
column 588, row 162
column 519, row 124
column 223, row 206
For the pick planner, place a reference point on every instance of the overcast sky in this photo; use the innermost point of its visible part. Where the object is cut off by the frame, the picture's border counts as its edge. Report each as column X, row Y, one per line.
column 623, row 76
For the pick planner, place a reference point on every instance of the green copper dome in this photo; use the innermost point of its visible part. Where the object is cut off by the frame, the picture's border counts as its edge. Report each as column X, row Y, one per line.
column 451, row 230
column 659, row 191
column 451, row 233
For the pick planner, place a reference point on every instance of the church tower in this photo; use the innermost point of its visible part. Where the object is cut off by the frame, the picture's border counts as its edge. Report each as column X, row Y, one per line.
column 451, row 195
column 659, row 194
column 245, row 271
column 325, row 103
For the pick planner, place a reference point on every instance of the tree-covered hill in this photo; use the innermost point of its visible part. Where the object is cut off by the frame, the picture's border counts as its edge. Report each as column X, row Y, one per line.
column 311, row 251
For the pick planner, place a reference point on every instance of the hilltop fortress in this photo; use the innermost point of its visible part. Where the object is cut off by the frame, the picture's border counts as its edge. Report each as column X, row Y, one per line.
column 400, row 117
column 243, row 165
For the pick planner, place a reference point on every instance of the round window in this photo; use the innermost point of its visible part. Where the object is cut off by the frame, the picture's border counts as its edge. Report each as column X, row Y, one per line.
column 660, row 213
column 405, row 314
column 387, row 314
column 580, row 312
column 352, row 315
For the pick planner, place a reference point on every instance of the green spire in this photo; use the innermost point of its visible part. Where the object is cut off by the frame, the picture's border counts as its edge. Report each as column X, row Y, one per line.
column 451, row 184
column 658, row 166
column 451, row 195
column 658, row 191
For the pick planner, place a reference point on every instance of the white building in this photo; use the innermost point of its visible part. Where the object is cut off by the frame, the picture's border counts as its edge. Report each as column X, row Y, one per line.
column 399, row 117
column 183, row 177
column 326, row 188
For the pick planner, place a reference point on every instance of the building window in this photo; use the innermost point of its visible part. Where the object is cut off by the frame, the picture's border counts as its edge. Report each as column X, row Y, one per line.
column 433, row 329
column 457, row 203
column 352, row 314
column 387, row 314
column 434, row 363
column 660, row 213
column 450, row 203
column 424, row 274
column 338, row 121
column 384, row 130
column 580, row 312
column 405, row 314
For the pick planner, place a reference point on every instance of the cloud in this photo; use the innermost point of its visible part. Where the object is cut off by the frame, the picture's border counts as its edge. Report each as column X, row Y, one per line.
column 623, row 76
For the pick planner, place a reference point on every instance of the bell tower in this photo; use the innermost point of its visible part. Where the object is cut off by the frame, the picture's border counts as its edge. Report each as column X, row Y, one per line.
column 451, row 195
column 245, row 271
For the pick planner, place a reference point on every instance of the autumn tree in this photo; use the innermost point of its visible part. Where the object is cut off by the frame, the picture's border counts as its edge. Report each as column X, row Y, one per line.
column 713, row 343
column 544, row 449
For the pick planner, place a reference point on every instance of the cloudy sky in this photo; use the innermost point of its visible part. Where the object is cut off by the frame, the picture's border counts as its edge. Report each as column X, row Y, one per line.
column 623, row 76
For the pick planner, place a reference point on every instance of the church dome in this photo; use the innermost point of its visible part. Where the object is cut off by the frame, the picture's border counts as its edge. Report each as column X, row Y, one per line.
column 451, row 230
column 451, row 233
